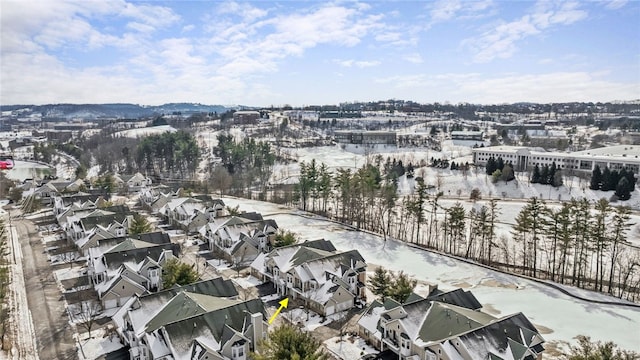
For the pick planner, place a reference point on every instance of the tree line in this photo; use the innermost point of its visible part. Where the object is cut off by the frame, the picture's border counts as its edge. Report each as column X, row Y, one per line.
column 578, row 243
column 622, row 181
column 549, row 175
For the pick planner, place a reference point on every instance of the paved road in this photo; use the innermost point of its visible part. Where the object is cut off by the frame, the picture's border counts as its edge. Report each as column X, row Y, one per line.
column 53, row 333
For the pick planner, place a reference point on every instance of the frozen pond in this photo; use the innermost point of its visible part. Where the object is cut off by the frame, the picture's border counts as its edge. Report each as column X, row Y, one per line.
column 23, row 170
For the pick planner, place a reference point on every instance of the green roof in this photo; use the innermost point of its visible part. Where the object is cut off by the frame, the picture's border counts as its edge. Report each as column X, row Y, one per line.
column 130, row 244
column 445, row 320
column 305, row 254
column 518, row 350
column 185, row 305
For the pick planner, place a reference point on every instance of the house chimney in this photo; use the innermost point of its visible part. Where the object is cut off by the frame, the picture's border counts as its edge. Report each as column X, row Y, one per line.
column 256, row 323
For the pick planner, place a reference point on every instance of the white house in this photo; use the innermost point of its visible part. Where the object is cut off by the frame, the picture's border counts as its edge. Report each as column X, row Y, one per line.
column 327, row 281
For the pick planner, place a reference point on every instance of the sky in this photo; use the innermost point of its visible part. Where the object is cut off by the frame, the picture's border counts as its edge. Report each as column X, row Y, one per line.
column 264, row 53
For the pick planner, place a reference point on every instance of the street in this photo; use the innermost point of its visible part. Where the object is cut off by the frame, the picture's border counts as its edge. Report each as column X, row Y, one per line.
column 53, row 333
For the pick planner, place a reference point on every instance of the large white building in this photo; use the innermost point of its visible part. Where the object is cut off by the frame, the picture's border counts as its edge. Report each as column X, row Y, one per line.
column 524, row 158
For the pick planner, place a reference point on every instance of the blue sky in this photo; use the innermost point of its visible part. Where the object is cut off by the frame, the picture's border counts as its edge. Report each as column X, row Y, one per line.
column 309, row 52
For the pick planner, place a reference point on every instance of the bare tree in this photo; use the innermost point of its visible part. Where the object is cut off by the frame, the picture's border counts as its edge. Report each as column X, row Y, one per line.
column 86, row 316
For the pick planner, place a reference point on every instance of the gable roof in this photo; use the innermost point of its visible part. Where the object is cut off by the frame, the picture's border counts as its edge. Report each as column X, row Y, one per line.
column 457, row 297
column 116, row 258
column 212, row 287
column 129, row 244
column 103, row 218
column 500, row 335
column 185, row 305
column 157, row 237
column 214, row 324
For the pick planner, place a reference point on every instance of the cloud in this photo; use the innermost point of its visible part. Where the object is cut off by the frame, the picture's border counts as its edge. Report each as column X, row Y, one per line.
column 615, row 4
column 359, row 64
column 511, row 88
column 501, row 41
column 414, row 58
column 224, row 65
column 445, row 10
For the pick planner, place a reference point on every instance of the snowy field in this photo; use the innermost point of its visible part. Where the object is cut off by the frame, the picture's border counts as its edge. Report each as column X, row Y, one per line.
column 146, row 131
column 452, row 182
column 559, row 317
column 355, row 156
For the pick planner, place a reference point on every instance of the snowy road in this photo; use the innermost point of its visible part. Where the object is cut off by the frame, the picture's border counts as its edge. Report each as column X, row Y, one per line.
column 22, row 332
column 52, row 332
column 559, row 317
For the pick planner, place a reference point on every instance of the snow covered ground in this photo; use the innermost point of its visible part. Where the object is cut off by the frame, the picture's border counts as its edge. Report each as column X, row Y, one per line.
column 99, row 344
column 559, row 317
column 22, row 334
column 141, row 132
column 247, row 282
column 351, row 347
column 299, row 316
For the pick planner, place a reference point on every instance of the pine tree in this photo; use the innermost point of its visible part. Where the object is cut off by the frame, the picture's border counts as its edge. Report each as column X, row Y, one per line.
column 491, row 166
column 607, row 184
column 544, row 175
column 500, row 163
column 552, row 174
column 536, row 177
column 623, row 189
column 380, row 282
column 402, row 287
column 139, row 225
column 288, row 342
column 596, row 179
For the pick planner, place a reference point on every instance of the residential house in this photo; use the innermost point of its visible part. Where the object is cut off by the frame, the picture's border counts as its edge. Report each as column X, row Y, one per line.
column 46, row 193
column 369, row 330
column 190, row 214
column 154, row 198
column 239, row 239
column 327, row 281
column 192, row 324
column 65, row 203
column 128, row 268
column 131, row 183
column 116, row 219
column 428, row 329
column 104, row 239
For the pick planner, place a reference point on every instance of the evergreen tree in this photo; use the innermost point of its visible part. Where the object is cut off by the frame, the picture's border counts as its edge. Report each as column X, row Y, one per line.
column 631, row 177
column 557, row 179
column 507, row 173
column 284, row 238
column 288, row 342
column 140, row 225
column 500, row 163
column 176, row 272
column 596, row 179
column 536, row 177
column 623, row 189
column 544, row 175
column 491, row 166
column 401, row 287
column 380, row 282
column 607, row 179
column 552, row 174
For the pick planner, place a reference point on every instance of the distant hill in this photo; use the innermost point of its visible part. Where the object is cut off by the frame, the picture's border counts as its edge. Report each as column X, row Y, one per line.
column 97, row 111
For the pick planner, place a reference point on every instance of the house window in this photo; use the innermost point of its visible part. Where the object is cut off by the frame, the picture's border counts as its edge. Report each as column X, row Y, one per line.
column 237, row 352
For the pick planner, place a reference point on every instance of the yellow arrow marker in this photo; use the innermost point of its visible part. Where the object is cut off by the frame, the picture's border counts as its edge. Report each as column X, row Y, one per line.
column 283, row 304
